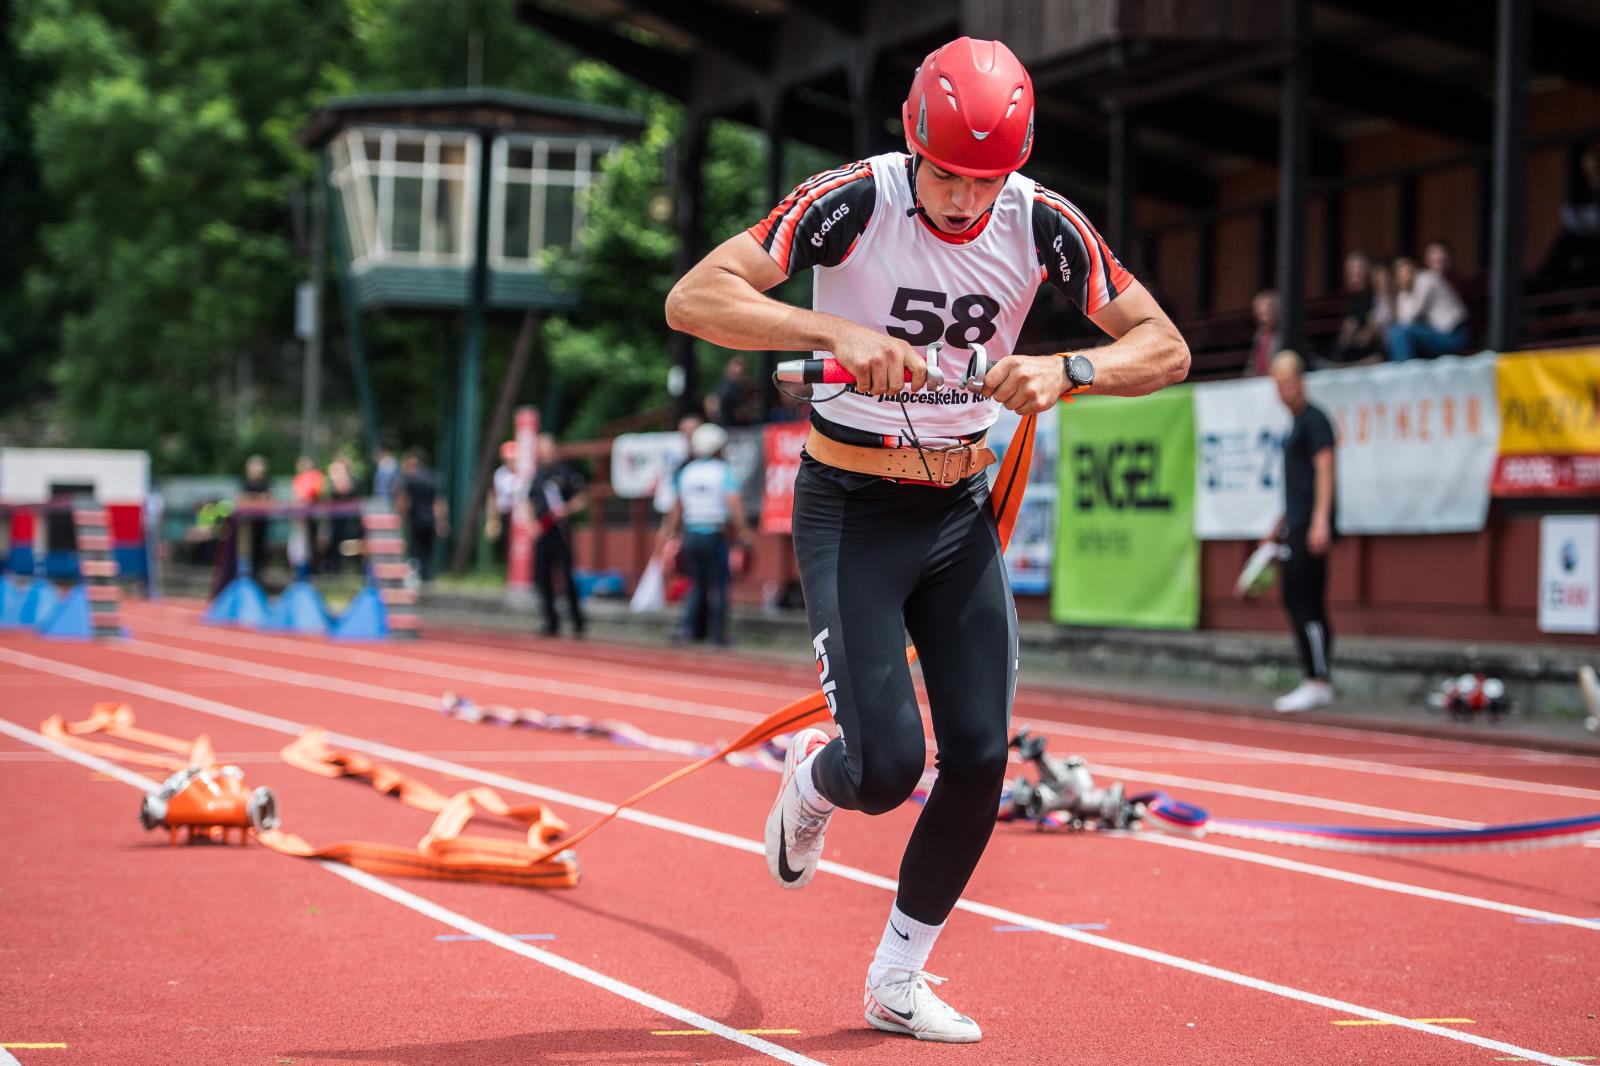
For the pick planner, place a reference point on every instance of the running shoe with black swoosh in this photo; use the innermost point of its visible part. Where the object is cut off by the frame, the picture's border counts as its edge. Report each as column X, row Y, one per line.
column 794, row 829
column 903, row 1003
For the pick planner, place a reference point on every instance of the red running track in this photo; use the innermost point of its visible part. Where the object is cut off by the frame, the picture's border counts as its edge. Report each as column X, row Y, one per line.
column 1221, row 951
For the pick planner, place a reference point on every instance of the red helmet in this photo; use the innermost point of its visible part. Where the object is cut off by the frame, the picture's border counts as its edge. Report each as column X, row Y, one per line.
column 970, row 110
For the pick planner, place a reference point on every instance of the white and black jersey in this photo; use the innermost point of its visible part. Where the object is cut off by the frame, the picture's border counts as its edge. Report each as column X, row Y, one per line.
column 878, row 262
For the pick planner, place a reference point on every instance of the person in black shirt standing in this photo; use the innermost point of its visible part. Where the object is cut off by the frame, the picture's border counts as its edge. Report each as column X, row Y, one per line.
column 556, row 493
column 1307, row 530
column 422, row 508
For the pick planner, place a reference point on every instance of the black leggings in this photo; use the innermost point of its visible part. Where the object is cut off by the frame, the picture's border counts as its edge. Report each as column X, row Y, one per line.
column 879, row 559
column 1305, row 598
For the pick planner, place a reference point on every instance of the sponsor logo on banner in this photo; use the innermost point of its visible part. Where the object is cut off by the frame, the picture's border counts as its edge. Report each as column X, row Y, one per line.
column 1569, row 574
column 1239, row 430
column 1416, row 443
column 1550, row 424
column 1126, row 552
column 784, row 441
column 642, row 462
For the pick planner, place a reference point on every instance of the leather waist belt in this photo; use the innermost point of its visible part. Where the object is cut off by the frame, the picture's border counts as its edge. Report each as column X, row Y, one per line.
column 942, row 466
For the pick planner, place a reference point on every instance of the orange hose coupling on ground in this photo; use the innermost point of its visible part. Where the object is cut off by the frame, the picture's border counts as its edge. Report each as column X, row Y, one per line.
column 208, row 801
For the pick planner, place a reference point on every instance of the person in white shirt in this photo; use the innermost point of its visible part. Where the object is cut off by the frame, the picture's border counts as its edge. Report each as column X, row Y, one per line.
column 502, row 502
column 1430, row 318
column 707, row 505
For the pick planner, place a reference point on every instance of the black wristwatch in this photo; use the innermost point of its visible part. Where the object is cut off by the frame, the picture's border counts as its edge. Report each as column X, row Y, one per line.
column 1080, row 372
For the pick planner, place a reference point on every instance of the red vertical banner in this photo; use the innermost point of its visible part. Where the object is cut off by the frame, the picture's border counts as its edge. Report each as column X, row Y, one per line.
column 783, row 443
column 519, row 554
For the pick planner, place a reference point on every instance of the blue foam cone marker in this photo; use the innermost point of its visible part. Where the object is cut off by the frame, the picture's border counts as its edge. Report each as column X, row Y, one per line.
column 10, row 604
column 71, row 618
column 39, row 602
column 300, row 610
column 241, row 603
column 364, row 619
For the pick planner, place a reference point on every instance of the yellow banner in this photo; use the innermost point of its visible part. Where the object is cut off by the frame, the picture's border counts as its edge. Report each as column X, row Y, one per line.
column 1550, row 402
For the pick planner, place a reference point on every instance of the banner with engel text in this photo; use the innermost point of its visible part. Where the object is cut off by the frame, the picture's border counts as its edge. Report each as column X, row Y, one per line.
column 1126, row 553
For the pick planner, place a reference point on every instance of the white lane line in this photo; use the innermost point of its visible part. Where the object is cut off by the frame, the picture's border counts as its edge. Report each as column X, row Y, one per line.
column 697, row 832
column 1380, row 883
column 364, row 690
column 6, row 1058
column 449, row 917
column 709, row 710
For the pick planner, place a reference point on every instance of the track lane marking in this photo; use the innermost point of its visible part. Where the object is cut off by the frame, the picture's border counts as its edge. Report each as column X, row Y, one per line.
column 365, row 690
column 994, row 913
column 1430, row 1021
column 622, row 698
column 1334, row 874
column 460, row 922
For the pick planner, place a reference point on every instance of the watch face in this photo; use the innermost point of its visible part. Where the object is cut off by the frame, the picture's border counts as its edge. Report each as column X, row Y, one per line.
column 1080, row 370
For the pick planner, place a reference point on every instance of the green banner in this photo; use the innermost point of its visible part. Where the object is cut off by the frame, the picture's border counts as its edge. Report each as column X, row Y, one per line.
column 1126, row 553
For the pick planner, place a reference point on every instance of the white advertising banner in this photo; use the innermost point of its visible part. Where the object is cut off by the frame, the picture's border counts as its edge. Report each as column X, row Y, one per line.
column 1417, row 443
column 1031, row 553
column 642, row 462
column 1239, row 428
column 1569, row 574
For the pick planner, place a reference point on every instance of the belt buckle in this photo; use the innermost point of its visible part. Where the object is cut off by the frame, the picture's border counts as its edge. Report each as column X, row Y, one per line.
column 965, row 453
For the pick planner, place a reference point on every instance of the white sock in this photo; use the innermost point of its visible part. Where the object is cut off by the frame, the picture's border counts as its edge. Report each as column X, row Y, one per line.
column 808, row 785
column 905, row 945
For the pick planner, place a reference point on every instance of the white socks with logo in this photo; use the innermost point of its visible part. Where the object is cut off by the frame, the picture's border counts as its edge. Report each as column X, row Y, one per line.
column 808, row 785
column 905, row 946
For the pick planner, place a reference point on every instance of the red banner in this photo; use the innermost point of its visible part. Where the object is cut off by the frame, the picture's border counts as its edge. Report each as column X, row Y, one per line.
column 1547, row 475
column 519, row 554
column 782, row 444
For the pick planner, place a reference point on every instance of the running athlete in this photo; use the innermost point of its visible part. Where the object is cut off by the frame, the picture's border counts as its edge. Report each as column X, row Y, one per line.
column 892, row 528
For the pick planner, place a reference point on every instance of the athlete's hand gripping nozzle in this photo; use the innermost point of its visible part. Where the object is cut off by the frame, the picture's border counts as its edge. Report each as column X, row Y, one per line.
column 829, row 371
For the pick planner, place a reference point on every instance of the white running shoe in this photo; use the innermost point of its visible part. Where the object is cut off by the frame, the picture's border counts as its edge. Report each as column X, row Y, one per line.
column 903, row 1003
column 794, row 829
column 1589, row 685
column 1307, row 697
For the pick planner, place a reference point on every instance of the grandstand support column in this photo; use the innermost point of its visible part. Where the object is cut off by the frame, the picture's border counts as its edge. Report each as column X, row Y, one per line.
column 355, row 340
column 1294, row 155
column 469, row 384
column 1512, row 19
column 1123, row 180
column 691, row 151
column 772, row 100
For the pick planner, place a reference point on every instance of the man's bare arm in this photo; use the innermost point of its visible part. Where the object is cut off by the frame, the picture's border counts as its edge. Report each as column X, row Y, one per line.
column 1148, row 353
column 721, row 300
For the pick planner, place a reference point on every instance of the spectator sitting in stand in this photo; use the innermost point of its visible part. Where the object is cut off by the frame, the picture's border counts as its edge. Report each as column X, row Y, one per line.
column 1430, row 318
column 1360, row 337
column 1574, row 257
column 729, row 405
column 1264, row 343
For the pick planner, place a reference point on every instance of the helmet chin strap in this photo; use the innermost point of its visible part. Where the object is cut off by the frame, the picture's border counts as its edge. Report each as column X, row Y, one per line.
column 916, row 207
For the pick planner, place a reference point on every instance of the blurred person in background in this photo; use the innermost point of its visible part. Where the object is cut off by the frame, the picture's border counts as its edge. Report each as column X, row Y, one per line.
column 501, row 504
column 948, row 242
column 385, row 474
column 345, row 529
column 1429, row 317
column 424, row 513
column 1306, row 532
column 729, row 404
column 557, row 493
column 707, row 505
column 1574, row 257
column 1361, row 333
column 304, row 535
column 1264, row 343
column 255, row 488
